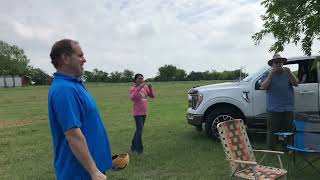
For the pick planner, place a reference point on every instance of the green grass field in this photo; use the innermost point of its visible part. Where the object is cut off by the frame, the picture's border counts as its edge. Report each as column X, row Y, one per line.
column 173, row 149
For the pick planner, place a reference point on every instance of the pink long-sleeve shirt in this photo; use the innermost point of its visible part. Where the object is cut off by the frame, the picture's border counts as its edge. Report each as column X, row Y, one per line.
column 139, row 96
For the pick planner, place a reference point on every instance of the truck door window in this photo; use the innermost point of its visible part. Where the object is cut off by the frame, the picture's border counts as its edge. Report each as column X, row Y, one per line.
column 307, row 73
column 293, row 67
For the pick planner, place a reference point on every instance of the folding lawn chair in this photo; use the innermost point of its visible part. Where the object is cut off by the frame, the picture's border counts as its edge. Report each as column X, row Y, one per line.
column 306, row 143
column 240, row 155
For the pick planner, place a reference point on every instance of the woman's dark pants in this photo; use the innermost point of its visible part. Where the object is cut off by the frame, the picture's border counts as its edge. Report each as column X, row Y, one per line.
column 278, row 122
column 137, row 138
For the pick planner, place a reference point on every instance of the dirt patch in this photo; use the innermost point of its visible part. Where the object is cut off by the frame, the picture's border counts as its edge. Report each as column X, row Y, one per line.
column 8, row 124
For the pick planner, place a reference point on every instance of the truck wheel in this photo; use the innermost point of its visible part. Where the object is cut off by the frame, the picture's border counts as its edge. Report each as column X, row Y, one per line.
column 216, row 116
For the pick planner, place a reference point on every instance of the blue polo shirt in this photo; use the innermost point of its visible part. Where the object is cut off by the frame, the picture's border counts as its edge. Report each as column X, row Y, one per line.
column 280, row 95
column 71, row 106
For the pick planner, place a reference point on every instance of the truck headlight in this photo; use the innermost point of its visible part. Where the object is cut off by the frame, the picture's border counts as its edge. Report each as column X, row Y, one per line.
column 196, row 100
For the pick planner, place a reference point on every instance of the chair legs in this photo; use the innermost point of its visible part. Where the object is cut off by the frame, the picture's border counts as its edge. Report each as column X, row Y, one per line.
column 302, row 164
column 280, row 162
column 309, row 163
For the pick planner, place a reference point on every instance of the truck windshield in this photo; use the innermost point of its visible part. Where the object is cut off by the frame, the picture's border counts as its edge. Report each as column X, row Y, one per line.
column 254, row 75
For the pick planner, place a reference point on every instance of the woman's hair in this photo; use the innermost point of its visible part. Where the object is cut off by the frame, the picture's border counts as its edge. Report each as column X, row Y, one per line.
column 136, row 77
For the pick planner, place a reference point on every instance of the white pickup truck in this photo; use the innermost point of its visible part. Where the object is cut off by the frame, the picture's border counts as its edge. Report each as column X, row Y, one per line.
column 211, row 104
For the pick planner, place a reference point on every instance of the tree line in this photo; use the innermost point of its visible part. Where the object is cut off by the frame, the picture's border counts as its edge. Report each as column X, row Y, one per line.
column 13, row 62
column 165, row 73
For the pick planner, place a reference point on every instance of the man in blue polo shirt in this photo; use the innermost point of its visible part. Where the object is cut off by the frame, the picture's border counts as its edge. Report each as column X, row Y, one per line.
column 278, row 83
column 80, row 141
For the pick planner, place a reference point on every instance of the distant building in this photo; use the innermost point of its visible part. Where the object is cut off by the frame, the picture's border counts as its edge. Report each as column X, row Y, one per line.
column 14, row 81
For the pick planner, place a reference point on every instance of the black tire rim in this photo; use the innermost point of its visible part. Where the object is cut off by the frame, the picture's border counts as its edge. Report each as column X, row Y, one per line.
column 216, row 121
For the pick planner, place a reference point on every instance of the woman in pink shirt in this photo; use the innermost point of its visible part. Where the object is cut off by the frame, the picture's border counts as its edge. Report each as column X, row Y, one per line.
column 139, row 93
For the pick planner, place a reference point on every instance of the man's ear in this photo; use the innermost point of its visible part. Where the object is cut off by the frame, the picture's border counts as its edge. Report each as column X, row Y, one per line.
column 65, row 59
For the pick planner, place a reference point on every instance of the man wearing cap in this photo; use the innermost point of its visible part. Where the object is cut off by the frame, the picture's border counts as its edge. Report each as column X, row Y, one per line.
column 80, row 142
column 278, row 84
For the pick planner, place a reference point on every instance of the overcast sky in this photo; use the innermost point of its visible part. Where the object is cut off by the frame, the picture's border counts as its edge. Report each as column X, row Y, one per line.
column 142, row 35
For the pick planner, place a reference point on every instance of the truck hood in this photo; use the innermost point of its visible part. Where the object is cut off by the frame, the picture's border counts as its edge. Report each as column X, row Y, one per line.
column 222, row 86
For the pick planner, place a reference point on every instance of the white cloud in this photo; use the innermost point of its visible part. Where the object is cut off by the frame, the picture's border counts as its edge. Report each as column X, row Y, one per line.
column 141, row 35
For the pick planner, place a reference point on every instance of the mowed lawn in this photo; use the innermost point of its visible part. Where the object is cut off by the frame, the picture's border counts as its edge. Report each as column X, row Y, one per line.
column 173, row 149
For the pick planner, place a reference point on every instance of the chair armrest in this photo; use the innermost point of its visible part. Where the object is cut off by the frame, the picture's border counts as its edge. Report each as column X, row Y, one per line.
column 268, row 151
column 243, row 162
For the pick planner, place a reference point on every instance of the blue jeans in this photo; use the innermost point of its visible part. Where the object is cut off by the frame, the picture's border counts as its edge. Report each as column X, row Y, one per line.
column 137, row 138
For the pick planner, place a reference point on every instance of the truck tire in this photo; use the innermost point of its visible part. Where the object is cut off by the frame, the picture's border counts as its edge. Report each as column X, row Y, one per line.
column 216, row 116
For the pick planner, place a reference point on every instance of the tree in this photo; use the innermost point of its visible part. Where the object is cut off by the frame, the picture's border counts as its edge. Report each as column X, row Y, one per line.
column 195, row 76
column 167, row 72
column 127, row 76
column 103, row 76
column 100, row 76
column 115, row 76
column 290, row 22
column 39, row 76
column 13, row 61
column 207, row 75
column 88, row 75
column 215, row 75
column 180, row 75
column 4, row 63
column 170, row 73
